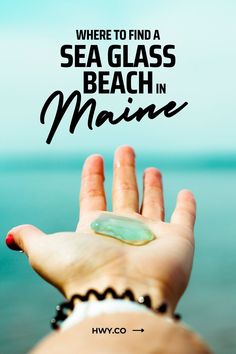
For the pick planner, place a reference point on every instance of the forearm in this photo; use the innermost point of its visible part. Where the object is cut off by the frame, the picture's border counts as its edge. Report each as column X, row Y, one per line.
column 160, row 336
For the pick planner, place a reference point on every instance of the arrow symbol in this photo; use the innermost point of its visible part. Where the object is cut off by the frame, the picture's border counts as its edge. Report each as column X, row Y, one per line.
column 138, row 330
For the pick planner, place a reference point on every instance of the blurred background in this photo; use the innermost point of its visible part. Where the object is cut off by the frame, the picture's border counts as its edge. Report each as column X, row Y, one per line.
column 39, row 183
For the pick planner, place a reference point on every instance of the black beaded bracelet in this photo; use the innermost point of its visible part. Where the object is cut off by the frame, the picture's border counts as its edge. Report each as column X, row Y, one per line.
column 62, row 310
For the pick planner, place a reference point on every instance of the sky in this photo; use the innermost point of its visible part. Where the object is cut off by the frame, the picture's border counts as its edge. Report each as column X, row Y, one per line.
column 203, row 32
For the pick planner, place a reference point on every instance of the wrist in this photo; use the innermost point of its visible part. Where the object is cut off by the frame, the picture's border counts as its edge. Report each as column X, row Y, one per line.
column 158, row 293
column 80, row 306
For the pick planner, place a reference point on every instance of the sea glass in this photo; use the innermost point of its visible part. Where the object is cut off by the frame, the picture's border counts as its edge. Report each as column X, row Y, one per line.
column 122, row 228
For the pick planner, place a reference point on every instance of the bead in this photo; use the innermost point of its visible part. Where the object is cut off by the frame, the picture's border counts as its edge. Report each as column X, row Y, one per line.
column 141, row 299
column 177, row 316
column 162, row 308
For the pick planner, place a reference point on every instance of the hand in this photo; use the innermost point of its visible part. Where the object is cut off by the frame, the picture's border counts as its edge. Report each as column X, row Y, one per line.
column 77, row 261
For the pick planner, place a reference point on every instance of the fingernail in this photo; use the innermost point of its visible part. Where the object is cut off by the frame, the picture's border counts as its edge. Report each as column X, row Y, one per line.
column 124, row 156
column 11, row 243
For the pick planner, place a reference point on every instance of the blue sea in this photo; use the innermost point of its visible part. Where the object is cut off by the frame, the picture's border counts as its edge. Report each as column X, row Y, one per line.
column 44, row 191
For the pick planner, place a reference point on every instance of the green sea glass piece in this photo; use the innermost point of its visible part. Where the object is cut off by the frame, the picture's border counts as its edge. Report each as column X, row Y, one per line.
column 122, row 228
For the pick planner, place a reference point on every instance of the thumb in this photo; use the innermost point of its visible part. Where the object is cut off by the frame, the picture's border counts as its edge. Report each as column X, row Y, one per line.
column 23, row 237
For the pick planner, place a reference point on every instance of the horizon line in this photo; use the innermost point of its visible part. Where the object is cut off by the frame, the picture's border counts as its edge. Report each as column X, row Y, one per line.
column 71, row 161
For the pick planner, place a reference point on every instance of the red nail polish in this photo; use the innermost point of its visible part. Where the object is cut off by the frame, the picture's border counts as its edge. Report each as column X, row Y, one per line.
column 11, row 243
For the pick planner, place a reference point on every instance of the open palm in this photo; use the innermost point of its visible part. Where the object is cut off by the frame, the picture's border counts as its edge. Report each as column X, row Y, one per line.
column 77, row 261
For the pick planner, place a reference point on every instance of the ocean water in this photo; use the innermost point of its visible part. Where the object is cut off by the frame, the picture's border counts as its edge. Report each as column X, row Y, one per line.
column 44, row 192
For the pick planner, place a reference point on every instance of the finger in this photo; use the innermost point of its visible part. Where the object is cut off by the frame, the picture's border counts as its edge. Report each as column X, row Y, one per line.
column 153, row 202
column 92, row 194
column 125, row 189
column 185, row 211
column 23, row 237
